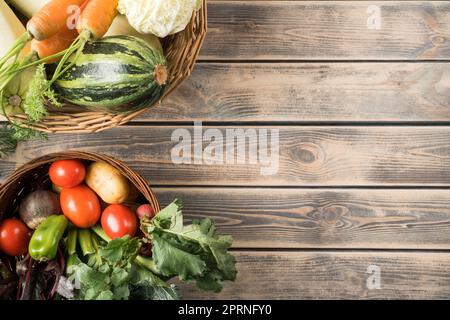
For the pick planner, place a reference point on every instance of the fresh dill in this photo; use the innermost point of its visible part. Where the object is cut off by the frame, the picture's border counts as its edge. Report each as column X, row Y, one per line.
column 12, row 134
column 38, row 94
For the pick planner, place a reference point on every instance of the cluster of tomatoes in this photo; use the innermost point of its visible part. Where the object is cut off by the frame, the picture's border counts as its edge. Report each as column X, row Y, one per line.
column 80, row 205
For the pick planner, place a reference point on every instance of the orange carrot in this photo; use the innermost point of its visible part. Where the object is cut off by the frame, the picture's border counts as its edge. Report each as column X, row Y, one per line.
column 52, row 18
column 57, row 43
column 97, row 17
column 95, row 20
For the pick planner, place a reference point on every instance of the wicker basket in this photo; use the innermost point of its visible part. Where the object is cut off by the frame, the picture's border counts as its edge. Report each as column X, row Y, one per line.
column 25, row 179
column 181, row 51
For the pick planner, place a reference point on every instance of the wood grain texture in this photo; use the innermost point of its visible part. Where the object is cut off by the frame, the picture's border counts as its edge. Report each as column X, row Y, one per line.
column 319, row 156
column 326, row 30
column 306, row 62
column 334, row 275
column 310, row 92
column 328, row 218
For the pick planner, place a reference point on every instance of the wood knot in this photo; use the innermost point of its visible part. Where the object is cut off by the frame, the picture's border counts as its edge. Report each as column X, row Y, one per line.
column 309, row 154
column 332, row 216
column 437, row 40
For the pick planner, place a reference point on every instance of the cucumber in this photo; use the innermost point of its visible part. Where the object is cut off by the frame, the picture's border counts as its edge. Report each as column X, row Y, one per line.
column 116, row 74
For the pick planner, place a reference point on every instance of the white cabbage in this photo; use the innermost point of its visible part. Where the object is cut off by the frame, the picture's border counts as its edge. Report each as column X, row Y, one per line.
column 159, row 17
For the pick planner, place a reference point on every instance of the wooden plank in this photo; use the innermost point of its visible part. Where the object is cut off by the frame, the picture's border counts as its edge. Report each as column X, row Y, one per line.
column 327, row 30
column 334, row 275
column 329, row 218
column 309, row 92
column 308, row 156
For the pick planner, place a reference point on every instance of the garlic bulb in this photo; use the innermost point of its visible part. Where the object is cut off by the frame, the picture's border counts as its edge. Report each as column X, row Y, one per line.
column 159, row 17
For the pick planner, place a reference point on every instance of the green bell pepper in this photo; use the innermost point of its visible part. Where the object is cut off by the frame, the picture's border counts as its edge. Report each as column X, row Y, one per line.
column 45, row 240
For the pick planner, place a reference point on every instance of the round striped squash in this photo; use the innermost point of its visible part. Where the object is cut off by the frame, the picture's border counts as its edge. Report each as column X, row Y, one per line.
column 115, row 74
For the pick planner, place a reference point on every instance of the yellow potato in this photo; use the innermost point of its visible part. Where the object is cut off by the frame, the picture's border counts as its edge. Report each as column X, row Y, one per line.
column 110, row 185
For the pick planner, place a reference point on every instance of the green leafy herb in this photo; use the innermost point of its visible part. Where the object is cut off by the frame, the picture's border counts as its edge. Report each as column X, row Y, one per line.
column 194, row 252
column 12, row 134
column 39, row 91
column 112, row 274
column 7, row 141
column 107, row 273
column 145, row 285
column 25, row 134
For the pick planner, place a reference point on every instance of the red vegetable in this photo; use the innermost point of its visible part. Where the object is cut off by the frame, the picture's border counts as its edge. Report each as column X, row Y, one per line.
column 14, row 237
column 118, row 221
column 80, row 205
column 145, row 210
column 67, row 173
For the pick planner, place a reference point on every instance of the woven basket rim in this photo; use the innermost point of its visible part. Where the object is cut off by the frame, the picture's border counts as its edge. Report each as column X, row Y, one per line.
column 14, row 181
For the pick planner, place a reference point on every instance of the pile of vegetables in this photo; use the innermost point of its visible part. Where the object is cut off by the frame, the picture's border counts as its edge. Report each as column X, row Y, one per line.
column 87, row 233
column 63, row 56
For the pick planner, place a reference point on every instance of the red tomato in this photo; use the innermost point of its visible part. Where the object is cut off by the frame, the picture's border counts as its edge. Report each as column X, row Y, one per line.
column 80, row 205
column 14, row 237
column 67, row 173
column 118, row 221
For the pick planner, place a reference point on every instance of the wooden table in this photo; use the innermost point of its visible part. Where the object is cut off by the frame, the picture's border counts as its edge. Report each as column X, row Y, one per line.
column 363, row 112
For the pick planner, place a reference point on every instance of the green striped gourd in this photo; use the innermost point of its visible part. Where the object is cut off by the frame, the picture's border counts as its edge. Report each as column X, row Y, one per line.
column 115, row 74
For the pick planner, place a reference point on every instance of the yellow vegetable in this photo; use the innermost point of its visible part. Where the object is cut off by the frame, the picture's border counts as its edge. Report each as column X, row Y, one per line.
column 110, row 185
column 10, row 26
column 28, row 7
column 14, row 92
